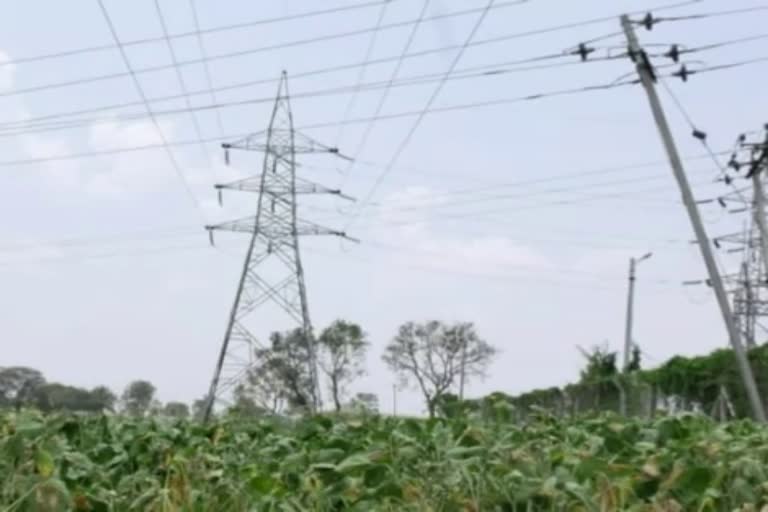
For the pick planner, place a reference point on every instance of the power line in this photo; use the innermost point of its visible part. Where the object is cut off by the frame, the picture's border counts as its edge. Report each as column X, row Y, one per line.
column 387, row 89
column 400, row 115
column 182, row 84
column 497, row 39
column 196, row 32
column 422, row 114
column 504, row 197
column 486, row 70
column 206, row 66
column 250, row 51
column 561, row 177
column 361, row 72
column 140, row 91
column 506, row 37
column 709, row 15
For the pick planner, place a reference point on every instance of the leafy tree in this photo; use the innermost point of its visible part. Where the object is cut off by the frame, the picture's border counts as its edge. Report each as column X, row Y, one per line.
column 59, row 397
column 245, row 403
column 342, row 348
column 18, row 385
column 601, row 364
column 176, row 410
column 433, row 355
column 198, row 408
column 103, row 398
column 283, row 372
column 365, row 403
column 137, row 397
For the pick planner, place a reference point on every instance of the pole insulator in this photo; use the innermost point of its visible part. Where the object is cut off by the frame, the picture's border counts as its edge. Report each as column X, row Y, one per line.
column 673, row 53
column 583, row 51
column 649, row 21
column 698, row 134
column 683, row 73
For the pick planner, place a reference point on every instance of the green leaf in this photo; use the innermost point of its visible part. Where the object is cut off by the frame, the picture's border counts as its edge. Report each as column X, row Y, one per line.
column 44, row 464
column 353, row 462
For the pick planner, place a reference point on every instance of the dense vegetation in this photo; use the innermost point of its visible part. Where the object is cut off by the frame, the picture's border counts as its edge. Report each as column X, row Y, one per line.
column 681, row 383
column 100, row 463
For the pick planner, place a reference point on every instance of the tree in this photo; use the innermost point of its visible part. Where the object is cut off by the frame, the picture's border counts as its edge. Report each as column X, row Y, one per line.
column 282, row 374
column 103, row 398
column 53, row 396
column 433, row 355
column 198, row 408
column 601, row 364
column 137, row 397
column 367, row 403
column 18, row 385
column 178, row 410
column 342, row 348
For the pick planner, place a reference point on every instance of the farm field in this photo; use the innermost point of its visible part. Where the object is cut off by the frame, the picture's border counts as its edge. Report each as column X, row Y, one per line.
column 605, row 463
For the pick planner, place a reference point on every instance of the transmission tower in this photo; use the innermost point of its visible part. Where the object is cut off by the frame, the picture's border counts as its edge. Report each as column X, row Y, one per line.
column 272, row 270
column 749, row 284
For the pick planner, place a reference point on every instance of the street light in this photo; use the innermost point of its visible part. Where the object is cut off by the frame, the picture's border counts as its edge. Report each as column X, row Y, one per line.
column 633, row 263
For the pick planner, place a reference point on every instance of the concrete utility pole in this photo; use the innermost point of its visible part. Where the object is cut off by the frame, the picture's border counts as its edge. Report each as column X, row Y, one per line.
column 633, row 262
column 648, row 79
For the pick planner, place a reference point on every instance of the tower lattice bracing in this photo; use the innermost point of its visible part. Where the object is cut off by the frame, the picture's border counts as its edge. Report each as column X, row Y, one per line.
column 749, row 284
column 272, row 271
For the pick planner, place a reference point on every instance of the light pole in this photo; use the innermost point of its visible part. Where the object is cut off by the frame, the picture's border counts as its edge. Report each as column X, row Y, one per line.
column 633, row 263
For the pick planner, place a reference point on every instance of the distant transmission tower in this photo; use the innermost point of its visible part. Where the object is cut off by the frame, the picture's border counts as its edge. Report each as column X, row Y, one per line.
column 750, row 283
column 272, row 271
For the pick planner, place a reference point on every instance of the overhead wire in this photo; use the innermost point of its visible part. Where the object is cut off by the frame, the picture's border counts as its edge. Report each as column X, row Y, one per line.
column 361, row 73
column 183, row 84
column 17, row 128
column 506, row 37
column 223, row 28
column 206, row 65
column 404, row 144
column 712, row 14
column 251, row 51
column 435, row 203
column 385, row 95
column 294, row 76
column 399, row 115
column 165, row 144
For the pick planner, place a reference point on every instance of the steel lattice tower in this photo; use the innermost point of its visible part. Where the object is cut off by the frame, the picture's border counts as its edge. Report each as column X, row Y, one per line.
column 749, row 284
column 274, row 244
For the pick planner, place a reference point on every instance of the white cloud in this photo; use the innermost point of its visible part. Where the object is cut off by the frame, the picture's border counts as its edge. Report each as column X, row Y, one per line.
column 405, row 217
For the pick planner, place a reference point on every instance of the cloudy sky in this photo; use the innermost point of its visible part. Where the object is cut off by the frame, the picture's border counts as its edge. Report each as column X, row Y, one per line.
column 519, row 216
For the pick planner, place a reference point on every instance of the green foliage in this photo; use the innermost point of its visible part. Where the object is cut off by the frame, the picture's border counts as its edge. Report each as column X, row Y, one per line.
column 58, row 397
column 137, row 397
column 18, row 385
column 601, row 364
column 176, row 410
column 687, row 383
column 342, row 347
column 602, row 463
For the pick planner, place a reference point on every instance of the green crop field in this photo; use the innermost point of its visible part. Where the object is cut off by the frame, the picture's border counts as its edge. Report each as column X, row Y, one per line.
column 100, row 463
